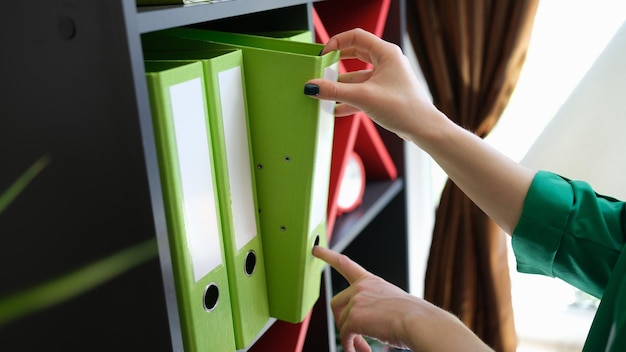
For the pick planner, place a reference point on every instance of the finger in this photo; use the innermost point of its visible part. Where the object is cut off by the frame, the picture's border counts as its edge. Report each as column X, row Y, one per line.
column 327, row 90
column 339, row 304
column 355, row 76
column 357, row 43
column 341, row 308
column 345, row 110
column 321, row 89
column 335, row 91
column 361, row 344
column 349, row 269
column 348, row 342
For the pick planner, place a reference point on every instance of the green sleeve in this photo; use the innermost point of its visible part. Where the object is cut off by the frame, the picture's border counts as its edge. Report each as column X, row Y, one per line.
column 568, row 231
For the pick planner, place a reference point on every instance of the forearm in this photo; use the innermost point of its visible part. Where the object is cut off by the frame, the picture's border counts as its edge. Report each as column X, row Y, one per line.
column 497, row 184
column 432, row 329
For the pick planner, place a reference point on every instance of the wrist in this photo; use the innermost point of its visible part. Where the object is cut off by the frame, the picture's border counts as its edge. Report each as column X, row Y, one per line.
column 430, row 328
column 430, row 130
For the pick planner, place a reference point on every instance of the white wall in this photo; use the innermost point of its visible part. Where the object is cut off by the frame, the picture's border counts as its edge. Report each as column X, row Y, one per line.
column 587, row 137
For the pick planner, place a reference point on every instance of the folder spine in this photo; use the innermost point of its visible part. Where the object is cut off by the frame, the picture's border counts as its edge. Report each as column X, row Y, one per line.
column 242, row 236
column 201, row 281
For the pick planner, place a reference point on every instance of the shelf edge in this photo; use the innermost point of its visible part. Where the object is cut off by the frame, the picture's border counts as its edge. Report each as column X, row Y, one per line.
column 153, row 18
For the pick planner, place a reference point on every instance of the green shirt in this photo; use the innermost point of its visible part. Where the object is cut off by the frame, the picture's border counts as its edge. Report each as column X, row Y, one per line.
column 568, row 231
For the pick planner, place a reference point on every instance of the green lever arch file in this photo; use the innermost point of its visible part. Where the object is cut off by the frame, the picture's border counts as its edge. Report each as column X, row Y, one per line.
column 244, row 249
column 227, row 118
column 304, row 36
column 168, row 2
column 179, row 112
column 292, row 138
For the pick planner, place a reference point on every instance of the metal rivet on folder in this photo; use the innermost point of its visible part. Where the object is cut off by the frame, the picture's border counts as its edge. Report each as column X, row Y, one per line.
column 211, row 296
column 259, row 167
column 250, row 263
column 287, row 159
column 283, row 228
column 66, row 27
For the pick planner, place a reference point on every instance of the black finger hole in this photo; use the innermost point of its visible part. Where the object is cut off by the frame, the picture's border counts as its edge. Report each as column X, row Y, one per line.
column 211, row 296
column 250, row 263
column 66, row 27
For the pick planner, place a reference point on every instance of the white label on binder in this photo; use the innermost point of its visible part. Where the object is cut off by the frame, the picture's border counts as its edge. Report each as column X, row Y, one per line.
column 194, row 159
column 323, row 155
column 237, row 155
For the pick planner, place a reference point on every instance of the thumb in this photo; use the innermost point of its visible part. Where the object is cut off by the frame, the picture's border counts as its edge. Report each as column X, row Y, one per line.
column 329, row 90
column 334, row 91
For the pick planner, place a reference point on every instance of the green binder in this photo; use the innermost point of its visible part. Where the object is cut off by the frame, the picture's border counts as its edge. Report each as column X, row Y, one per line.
column 292, row 142
column 168, row 2
column 179, row 111
column 304, row 36
column 223, row 70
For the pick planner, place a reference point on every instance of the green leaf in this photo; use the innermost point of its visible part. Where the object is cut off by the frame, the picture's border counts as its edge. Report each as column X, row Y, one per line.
column 68, row 286
column 18, row 186
column 75, row 283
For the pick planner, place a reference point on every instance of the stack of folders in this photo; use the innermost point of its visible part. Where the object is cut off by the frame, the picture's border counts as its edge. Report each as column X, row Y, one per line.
column 291, row 138
column 202, row 136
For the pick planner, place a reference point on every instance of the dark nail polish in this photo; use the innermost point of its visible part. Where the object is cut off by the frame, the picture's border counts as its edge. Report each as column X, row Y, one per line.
column 311, row 89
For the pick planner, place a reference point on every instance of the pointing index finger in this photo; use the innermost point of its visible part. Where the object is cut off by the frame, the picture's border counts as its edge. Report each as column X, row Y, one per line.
column 348, row 268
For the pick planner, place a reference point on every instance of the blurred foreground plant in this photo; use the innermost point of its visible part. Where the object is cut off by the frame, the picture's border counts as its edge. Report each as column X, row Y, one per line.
column 72, row 284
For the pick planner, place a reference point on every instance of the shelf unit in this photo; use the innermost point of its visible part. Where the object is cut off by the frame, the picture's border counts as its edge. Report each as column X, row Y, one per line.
column 74, row 89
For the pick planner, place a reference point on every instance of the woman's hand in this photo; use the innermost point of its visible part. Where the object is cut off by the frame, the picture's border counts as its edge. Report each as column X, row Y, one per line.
column 378, row 309
column 389, row 93
column 370, row 306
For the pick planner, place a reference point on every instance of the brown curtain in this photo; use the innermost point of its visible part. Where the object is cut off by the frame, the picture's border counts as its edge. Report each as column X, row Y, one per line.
column 471, row 54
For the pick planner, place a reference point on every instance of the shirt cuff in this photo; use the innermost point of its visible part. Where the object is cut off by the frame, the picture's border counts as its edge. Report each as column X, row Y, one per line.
column 538, row 234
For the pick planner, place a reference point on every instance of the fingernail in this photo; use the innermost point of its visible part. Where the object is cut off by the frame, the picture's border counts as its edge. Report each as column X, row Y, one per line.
column 311, row 89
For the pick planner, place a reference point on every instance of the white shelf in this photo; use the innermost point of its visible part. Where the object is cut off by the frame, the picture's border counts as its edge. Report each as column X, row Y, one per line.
column 153, row 18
